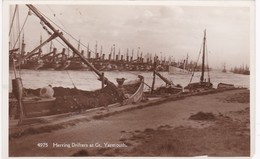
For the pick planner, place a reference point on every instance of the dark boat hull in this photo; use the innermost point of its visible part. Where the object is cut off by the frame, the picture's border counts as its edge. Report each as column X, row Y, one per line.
column 76, row 65
column 50, row 66
column 32, row 65
column 198, row 86
column 36, row 106
column 168, row 90
column 225, row 86
column 67, row 100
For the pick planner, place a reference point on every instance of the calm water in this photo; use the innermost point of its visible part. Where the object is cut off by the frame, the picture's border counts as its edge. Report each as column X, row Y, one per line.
column 87, row 80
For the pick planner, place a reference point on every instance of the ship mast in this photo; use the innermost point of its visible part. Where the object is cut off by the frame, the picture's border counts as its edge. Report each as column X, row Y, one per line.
column 203, row 58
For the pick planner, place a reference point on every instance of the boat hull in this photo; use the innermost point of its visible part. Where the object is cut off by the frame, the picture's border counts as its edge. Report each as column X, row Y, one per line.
column 198, row 86
column 76, row 65
column 32, row 65
column 138, row 95
column 225, row 86
column 36, row 106
column 69, row 100
column 178, row 71
column 168, row 90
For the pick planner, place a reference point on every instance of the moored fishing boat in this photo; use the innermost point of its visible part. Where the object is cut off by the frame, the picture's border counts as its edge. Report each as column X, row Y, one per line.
column 225, row 86
column 76, row 64
column 178, row 71
column 52, row 61
column 169, row 89
column 33, row 64
column 71, row 100
column 53, row 101
column 203, row 84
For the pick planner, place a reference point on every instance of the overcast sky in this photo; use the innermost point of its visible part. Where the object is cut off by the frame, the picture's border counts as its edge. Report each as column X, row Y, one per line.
column 165, row 30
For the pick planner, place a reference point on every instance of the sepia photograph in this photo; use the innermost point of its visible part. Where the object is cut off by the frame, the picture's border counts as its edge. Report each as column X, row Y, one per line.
column 130, row 79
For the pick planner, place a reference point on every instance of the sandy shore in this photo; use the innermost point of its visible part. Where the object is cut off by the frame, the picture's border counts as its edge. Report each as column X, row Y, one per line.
column 165, row 129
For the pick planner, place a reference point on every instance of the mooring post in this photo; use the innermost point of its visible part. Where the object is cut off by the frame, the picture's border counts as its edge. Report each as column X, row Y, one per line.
column 154, row 69
column 102, row 79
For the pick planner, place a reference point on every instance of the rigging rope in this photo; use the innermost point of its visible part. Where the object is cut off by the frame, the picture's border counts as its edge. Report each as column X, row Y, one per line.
column 21, row 31
column 207, row 62
column 16, row 6
column 49, row 33
column 71, row 80
column 56, row 17
column 64, row 31
column 196, row 64
column 18, row 26
column 19, row 41
column 16, row 14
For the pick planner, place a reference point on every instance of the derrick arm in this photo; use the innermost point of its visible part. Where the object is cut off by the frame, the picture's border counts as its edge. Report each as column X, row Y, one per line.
column 163, row 78
column 31, row 55
column 33, row 52
column 44, row 56
column 60, row 35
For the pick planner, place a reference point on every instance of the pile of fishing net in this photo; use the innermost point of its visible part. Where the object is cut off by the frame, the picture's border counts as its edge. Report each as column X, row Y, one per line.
column 72, row 99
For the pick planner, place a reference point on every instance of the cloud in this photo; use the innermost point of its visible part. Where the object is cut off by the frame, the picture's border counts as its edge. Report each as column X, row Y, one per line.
column 168, row 29
column 171, row 11
column 147, row 14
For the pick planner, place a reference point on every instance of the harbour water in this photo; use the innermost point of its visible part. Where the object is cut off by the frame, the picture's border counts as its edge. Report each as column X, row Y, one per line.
column 87, row 80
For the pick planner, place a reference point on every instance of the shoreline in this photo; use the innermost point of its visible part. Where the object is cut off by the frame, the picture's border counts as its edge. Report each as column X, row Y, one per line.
column 115, row 127
column 61, row 121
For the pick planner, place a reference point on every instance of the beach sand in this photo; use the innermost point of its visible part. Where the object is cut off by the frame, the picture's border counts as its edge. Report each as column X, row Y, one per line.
column 213, row 125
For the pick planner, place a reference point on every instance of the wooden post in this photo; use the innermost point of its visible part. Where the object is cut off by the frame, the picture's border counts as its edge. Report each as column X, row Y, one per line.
column 152, row 89
column 82, row 52
column 155, row 65
column 102, row 79
column 54, row 55
column 63, row 55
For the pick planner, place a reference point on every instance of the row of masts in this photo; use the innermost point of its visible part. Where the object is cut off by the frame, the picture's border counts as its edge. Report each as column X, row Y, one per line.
column 114, row 55
column 96, row 55
column 102, row 56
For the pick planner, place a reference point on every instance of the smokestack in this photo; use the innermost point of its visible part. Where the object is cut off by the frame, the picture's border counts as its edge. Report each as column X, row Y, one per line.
column 82, row 52
column 89, row 54
column 54, row 53
column 114, row 52
column 63, row 58
column 23, row 47
column 96, row 48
